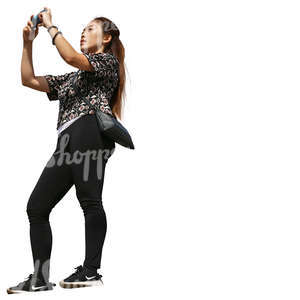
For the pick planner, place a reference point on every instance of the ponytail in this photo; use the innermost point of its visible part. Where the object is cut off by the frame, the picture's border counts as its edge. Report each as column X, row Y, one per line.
column 116, row 48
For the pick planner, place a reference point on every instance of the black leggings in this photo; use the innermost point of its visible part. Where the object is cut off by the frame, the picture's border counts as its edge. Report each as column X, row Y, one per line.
column 80, row 158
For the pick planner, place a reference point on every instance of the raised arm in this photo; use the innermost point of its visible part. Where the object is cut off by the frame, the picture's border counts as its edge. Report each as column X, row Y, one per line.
column 27, row 72
column 65, row 50
column 47, row 83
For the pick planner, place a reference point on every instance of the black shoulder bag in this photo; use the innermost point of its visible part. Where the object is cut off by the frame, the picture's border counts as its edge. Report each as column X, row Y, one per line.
column 108, row 125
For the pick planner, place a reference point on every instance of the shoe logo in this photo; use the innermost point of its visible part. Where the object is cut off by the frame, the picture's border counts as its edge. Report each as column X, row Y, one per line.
column 88, row 278
column 38, row 287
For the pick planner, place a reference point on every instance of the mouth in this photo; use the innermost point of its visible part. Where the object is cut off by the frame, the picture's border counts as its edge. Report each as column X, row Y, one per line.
column 82, row 41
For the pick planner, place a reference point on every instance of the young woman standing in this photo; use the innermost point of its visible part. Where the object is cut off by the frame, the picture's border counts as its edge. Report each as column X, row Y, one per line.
column 101, row 80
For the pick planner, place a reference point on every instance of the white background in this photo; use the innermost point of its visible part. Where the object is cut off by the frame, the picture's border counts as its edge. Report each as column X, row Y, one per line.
column 207, row 205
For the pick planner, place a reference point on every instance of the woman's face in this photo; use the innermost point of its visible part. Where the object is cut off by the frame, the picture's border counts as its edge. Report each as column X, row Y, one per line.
column 91, row 38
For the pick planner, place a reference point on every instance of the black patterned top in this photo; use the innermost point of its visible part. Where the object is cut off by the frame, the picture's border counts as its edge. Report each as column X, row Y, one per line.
column 96, row 86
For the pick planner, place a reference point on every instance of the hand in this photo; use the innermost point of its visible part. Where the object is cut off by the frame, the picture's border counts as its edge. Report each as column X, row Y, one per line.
column 27, row 37
column 46, row 17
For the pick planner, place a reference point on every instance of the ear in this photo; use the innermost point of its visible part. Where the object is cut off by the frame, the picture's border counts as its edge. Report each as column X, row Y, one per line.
column 107, row 38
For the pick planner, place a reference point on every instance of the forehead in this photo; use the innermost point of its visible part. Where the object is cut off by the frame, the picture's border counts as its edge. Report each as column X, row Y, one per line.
column 91, row 24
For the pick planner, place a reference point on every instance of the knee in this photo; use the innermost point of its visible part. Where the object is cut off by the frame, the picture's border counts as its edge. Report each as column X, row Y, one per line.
column 37, row 214
column 91, row 205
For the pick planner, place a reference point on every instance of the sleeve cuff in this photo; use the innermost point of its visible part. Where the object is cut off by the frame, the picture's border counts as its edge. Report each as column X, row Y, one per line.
column 52, row 94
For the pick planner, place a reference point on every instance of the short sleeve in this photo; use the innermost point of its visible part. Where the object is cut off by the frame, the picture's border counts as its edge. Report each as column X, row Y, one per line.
column 54, row 83
column 104, row 64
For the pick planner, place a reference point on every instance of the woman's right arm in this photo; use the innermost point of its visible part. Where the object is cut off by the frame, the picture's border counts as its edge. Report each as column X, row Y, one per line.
column 51, row 84
column 27, row 73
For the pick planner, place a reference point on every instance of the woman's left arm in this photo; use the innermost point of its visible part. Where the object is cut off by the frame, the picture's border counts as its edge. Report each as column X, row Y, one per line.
column 65, row 49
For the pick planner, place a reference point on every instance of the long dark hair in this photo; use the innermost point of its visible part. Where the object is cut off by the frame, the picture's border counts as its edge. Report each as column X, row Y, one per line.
column 116, row 48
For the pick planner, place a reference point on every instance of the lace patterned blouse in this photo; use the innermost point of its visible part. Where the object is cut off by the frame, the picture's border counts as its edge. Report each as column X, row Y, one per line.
column 98, row 87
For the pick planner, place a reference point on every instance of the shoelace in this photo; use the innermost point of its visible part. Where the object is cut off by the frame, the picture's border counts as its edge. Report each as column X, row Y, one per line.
column 29, row 277
column 26, row 279
column 78, row 270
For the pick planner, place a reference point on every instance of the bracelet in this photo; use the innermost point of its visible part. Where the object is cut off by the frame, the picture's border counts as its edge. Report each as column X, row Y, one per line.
column 55, row 36
column 51, row 27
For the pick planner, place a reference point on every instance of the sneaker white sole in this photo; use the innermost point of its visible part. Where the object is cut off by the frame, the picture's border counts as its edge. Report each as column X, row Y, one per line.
column 78, row 284
column 9, row 291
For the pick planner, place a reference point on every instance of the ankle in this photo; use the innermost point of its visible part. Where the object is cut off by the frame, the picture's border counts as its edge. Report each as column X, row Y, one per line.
column 89, row 271
column 41, row 279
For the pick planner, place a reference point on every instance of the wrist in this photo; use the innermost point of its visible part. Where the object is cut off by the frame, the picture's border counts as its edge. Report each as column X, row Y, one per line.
column 27, row 43
column 52, row 29
column 48, row 25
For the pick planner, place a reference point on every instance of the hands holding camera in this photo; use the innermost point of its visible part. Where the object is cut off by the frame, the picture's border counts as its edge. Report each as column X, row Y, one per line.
column 31, row 30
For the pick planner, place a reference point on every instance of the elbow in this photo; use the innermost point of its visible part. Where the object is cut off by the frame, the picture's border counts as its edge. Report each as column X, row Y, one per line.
column 25, row 83
column 23, row 80
column 26, row 78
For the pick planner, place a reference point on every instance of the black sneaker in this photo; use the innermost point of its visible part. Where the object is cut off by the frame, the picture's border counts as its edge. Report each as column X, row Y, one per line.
column 81, row 278
column 31, row 284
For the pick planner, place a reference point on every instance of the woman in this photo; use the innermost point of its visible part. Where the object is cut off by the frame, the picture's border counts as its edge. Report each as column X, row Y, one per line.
column 101, row 80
